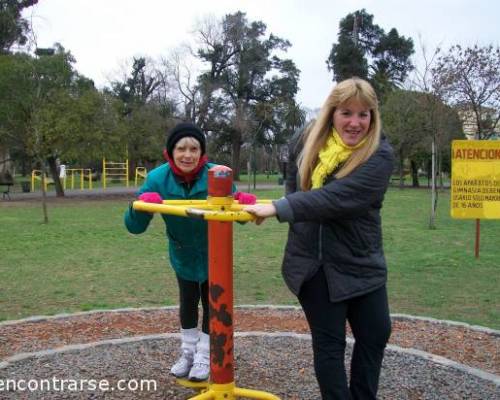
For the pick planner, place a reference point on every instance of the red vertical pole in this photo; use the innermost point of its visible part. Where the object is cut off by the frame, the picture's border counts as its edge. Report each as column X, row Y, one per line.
column 220, row 266
column 478, row 228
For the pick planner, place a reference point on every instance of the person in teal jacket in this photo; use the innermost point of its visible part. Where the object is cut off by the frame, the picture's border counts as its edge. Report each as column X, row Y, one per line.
column 184, row 177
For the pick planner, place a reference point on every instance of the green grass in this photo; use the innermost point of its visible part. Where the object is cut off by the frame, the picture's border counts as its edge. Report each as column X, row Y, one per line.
column 84, row 259
column 261, row 178
column 434, row 272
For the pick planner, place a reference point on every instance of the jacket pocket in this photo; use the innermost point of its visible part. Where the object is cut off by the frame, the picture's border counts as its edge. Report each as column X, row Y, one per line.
column 297, row 270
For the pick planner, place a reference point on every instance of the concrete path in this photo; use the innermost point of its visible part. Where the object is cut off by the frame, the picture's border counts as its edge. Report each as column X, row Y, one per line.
column 114, row 191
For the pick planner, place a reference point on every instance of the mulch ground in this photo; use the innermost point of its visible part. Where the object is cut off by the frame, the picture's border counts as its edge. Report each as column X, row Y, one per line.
column 461, row 344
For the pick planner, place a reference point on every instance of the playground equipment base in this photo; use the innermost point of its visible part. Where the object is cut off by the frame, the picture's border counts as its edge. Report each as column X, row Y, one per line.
column 213, row 391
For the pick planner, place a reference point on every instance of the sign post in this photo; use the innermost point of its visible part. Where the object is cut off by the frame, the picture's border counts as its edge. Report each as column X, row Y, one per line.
column 475, row 181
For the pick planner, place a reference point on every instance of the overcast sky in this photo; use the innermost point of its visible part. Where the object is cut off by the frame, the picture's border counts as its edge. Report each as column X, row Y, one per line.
column 103, row 34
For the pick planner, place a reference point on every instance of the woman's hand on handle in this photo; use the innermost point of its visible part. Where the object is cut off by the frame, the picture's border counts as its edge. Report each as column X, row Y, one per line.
column 261, row 211
column 151, row 197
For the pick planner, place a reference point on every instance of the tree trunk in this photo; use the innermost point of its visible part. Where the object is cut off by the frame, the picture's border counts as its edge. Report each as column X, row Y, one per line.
column 55, row 176
column 429, row 173
column 432, row 223
column 235, row 154
column 132, row 165
column 44, row 193
column 414, row 174
column 440, row 170
column 239, row 126
column 401, row 170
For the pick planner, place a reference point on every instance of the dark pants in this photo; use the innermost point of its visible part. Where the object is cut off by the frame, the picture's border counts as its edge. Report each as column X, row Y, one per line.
column 189, row 297
column 369, row 318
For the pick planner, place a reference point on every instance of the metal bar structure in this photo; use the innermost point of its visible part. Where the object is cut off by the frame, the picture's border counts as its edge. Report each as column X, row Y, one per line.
column 82, row 172
column 220, row 279
column 220, row 210
column 140, row 173
column 114, row 170
column 36, row 175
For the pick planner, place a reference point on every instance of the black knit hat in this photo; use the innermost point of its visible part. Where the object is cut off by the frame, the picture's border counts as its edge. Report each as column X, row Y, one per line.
column 182, row 130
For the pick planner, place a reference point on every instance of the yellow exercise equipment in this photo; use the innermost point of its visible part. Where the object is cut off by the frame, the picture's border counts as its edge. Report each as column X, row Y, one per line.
column 221, row 210
column 140, row 173
column 82, row 173
column 36, row 176
column 115, row 171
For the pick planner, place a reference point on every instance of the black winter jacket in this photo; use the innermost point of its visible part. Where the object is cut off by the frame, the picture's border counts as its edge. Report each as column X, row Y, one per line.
column 339, row 228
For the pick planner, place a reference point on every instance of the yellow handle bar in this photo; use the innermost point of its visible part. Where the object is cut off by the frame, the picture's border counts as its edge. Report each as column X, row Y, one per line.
column 198, row 209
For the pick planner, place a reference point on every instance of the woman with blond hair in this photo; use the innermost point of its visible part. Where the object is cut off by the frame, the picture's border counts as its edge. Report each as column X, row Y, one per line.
column 334, row 260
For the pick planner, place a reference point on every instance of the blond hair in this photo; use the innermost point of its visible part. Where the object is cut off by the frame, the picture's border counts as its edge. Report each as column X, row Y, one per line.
column 345, row 91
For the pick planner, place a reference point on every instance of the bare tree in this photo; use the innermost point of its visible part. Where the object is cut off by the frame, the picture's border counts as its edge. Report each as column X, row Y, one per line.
column 179, row 76
column 423, row 80
column 470, row 79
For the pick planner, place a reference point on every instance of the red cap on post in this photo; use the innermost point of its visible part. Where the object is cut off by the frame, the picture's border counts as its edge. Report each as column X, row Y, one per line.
column 220, row 181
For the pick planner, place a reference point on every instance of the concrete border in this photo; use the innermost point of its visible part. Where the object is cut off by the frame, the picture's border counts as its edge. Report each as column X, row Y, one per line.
column 495, row 379
column 41, row 318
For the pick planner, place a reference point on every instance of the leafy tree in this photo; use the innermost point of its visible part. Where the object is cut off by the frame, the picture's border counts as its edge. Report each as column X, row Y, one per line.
column 406, row 124
column 50, row 112
column 139, row 87
column 411, row 119
column 77, row 128
column 470, row 79
column 13, row 28
column 365, row 50
column 347, row 60
column 145, row 114
column 243, row 73
column 15, row 97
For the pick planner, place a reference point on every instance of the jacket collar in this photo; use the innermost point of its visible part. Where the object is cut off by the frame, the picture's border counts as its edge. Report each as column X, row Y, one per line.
column 199, row 185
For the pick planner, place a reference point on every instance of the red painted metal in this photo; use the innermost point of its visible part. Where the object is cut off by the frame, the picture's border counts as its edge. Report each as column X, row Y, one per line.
column 220, row 181
column 220, row 266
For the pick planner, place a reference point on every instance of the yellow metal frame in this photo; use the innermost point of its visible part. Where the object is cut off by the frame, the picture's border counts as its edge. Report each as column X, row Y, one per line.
column 71, row 172
column 36, row 175
column 115, row 170
column 140, row 172
column 216, row 209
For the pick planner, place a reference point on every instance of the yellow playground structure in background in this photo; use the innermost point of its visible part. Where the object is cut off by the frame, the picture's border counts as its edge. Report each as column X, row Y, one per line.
column 111, row 171
column 116, row 171
column 140, row 173
column 67, row 176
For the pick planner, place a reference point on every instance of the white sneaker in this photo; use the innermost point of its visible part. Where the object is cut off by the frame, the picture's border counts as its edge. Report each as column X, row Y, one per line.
column 182, row 366
column 201, row 361
column 199, row 372
column 189, row 340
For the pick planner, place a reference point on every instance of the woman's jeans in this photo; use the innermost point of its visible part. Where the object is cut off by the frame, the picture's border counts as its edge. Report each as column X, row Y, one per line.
column 370, row 322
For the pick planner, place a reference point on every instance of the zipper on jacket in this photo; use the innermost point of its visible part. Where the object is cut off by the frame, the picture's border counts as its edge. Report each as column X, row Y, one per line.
column 320, row 245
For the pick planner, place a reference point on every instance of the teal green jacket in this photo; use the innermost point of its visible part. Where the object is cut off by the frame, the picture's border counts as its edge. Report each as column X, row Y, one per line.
column 187, row 237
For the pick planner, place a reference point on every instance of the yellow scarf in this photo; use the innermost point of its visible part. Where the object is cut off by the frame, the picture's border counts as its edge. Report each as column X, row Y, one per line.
column 333, row 153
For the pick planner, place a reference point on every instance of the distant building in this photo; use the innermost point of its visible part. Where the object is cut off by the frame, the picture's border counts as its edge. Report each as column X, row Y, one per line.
column 469, row 122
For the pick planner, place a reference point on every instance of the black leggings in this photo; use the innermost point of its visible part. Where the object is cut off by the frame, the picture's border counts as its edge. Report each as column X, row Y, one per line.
column 189, row 298
column 370, row 322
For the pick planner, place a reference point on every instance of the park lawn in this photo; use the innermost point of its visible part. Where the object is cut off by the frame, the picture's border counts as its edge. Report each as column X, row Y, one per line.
column 84, row 259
